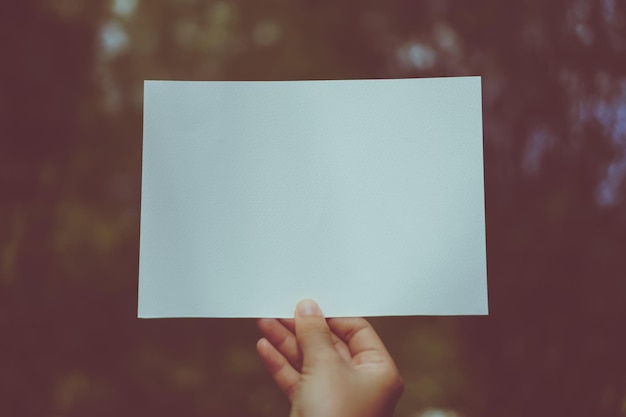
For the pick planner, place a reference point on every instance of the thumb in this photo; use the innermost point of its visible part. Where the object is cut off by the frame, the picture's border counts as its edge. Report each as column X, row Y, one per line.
column 312, row 332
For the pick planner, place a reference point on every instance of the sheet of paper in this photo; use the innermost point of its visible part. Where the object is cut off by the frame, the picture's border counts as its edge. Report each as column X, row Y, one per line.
column 365, row 195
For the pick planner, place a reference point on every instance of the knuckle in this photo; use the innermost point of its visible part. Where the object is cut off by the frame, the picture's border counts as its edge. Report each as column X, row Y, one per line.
column 392, row 381
column 290, row 391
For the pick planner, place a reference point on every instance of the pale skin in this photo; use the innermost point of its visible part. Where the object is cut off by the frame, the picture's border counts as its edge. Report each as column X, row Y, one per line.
column 335, row 367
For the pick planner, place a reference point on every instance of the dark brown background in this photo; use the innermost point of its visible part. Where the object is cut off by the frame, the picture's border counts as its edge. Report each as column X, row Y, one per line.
column 554, row 94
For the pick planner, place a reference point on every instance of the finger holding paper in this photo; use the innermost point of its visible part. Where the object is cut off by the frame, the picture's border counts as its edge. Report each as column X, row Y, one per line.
column 346, row 370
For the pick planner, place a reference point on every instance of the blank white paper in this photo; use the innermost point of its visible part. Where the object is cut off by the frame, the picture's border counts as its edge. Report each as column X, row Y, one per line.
column 364, row 195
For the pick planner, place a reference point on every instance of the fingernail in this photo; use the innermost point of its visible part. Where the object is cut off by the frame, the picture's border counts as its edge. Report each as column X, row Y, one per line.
column 308, row 308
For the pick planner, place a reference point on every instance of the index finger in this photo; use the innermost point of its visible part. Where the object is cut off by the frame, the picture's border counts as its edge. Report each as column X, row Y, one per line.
column 359, row 335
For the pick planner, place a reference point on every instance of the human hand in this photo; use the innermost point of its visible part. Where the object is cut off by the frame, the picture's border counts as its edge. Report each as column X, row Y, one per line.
column 329, row 368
